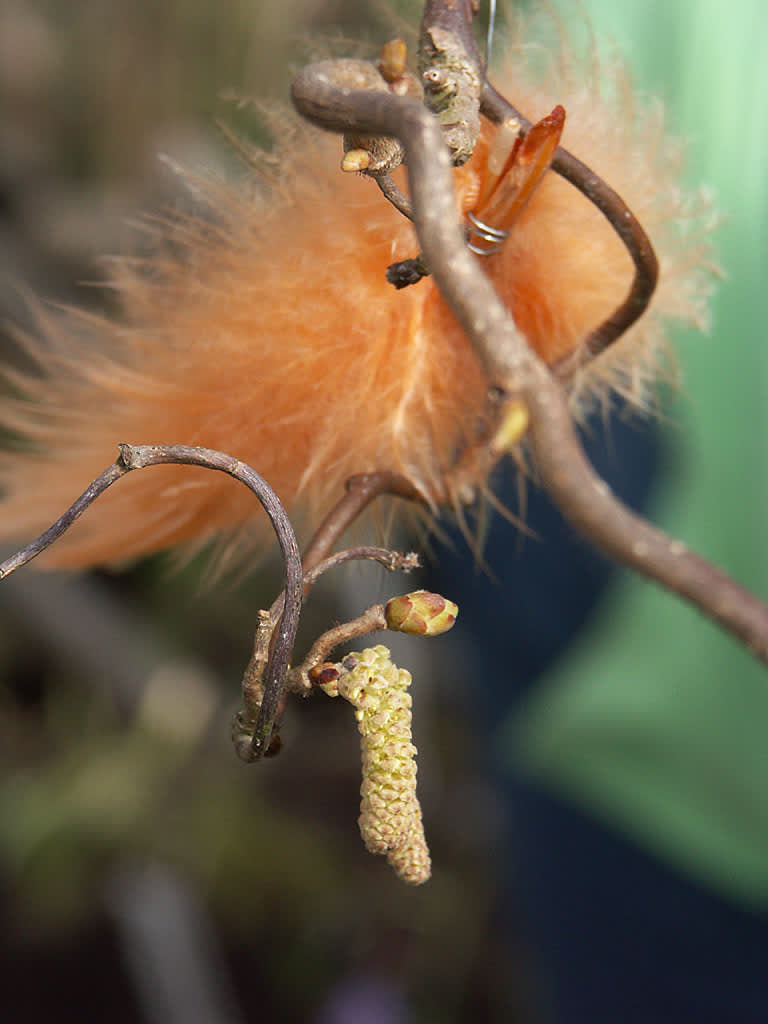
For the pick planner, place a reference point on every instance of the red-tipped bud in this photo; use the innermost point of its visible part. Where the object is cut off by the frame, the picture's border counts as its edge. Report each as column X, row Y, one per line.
column 420, row 613
column 326, row 677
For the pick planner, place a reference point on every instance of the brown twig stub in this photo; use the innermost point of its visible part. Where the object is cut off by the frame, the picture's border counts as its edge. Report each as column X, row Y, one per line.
column 391, row 560
column 451, row 76
column 372, row 620
column 252, row 685
column 393, row 194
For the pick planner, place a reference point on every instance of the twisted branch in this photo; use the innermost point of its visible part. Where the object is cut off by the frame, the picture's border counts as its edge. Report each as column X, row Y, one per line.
column 452, row 21
column 622, row 220
column 514, row 372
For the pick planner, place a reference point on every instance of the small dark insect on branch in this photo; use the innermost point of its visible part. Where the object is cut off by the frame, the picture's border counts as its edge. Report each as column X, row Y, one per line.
column 406, row 272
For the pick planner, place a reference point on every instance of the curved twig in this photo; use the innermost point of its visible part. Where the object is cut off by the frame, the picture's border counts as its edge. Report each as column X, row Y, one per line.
column 138, row 457
column 455, row 18
column 36, row 547
column 390, row 191
column 622, row 220
column 514, row 370
column 372, row 620
column 391, row 560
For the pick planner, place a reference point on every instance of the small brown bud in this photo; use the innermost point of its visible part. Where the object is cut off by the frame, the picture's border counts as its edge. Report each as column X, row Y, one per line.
column 392, row 60
column 356, row 160
column 326, row 676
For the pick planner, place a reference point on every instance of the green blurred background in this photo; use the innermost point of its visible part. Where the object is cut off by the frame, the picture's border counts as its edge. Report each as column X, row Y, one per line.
column 655, row 719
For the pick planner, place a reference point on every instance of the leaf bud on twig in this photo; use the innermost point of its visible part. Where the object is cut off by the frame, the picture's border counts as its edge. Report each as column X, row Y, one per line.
column 420, row 613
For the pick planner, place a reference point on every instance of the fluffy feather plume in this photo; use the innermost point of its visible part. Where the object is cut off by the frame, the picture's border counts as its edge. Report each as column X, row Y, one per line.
column 268, row 330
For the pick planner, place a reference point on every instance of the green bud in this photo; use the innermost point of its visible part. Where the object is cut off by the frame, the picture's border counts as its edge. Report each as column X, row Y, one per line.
column 420, row 613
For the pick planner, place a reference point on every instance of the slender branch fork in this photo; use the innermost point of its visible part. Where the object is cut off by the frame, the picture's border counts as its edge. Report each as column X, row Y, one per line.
column 514, row 371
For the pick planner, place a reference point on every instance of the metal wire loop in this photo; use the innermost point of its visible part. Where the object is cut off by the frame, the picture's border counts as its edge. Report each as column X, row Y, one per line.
column 495, row 237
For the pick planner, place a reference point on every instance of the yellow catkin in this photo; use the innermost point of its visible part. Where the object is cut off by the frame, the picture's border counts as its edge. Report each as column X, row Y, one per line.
column 411, row 861
column 390, row 815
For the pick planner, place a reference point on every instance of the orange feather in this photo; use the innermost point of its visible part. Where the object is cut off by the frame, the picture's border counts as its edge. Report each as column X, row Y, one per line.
column 271, row 334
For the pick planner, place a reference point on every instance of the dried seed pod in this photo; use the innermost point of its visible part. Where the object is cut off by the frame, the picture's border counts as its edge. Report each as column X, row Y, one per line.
column 384, row 152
